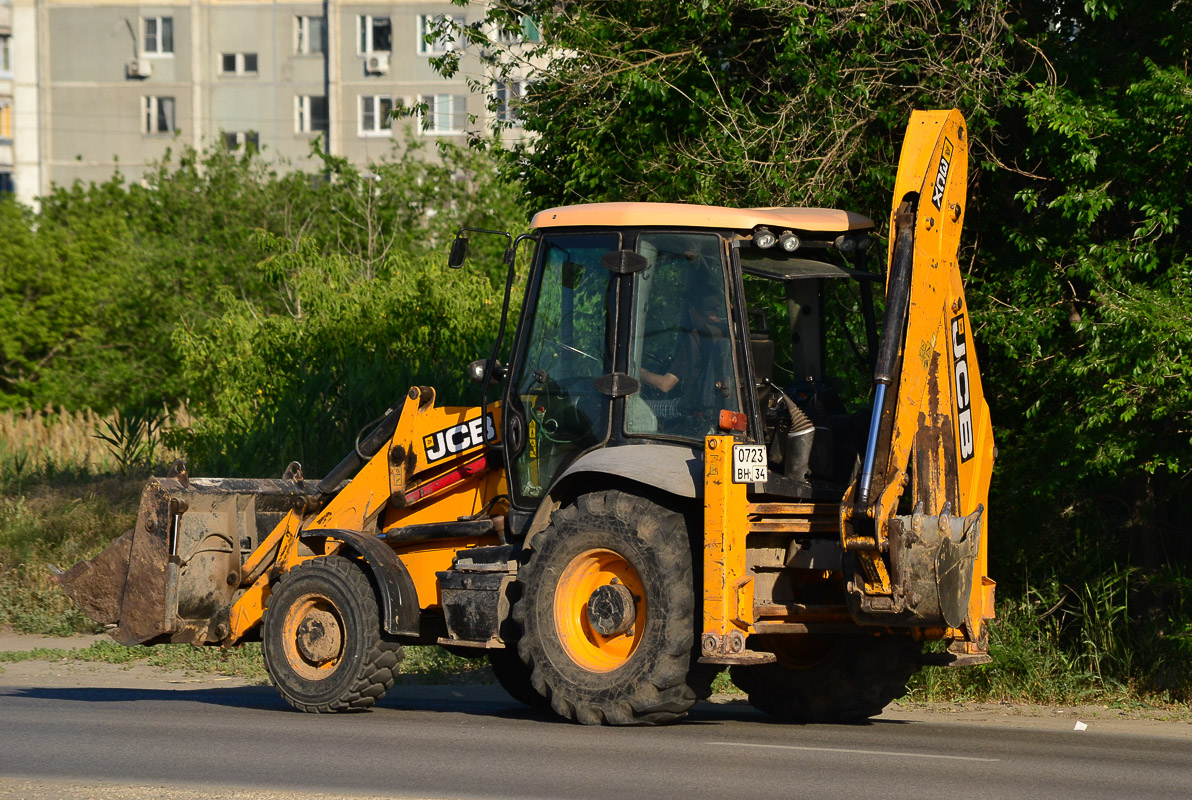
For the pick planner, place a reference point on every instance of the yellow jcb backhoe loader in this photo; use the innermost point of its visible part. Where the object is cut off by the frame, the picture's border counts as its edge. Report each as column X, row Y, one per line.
column 704, row 453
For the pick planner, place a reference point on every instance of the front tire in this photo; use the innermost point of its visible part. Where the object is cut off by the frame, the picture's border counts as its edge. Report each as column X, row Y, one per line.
column 608, row 612
column 830, row 679
column 321, row 639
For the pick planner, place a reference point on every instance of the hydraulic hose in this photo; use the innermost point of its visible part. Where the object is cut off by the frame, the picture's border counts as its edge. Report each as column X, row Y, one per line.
column 893, row 333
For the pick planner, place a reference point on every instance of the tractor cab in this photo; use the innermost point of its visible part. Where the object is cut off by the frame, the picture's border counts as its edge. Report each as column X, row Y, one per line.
column 659, row 324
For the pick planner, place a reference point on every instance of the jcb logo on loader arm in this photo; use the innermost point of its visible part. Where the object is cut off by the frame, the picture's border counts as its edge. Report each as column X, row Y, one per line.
column 458, row 438
column 964, row 394
column 941, row 176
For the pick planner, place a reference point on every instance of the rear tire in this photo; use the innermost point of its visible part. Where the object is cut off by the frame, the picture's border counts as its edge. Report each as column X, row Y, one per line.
column 842, row 679
column 514, row 677
column 321, row 638
column 633, row 558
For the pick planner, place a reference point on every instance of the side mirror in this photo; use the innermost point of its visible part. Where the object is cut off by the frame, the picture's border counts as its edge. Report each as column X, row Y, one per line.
column 459, row 252
column 477, row 367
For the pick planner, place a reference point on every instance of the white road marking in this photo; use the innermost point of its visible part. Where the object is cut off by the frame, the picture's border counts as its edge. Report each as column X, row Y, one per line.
column 855, row 752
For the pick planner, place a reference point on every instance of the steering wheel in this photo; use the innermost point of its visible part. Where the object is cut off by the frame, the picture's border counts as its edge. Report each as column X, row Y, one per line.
column 558, row 414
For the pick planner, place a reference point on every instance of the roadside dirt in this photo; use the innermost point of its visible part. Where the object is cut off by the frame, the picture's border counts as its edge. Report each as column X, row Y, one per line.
column 23, row 642
column 66, row 673
column 1143, row 720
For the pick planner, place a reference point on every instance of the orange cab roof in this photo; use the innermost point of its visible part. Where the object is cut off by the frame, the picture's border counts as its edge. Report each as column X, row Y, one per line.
column 684, row 215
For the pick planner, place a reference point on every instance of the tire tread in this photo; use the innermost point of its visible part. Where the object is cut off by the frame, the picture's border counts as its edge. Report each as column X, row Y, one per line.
column 663, row 695
column 377, row 672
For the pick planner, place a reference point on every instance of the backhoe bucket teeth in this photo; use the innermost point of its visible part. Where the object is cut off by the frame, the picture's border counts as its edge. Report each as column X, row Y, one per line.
column 175, row 575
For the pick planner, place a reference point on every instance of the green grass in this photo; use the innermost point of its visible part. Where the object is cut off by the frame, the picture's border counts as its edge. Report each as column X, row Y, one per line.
column 60, row 523
column 1073, row 645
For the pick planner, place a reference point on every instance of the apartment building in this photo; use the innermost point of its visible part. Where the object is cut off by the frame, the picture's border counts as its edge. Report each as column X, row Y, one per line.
column 106, row 84
column 7, row 184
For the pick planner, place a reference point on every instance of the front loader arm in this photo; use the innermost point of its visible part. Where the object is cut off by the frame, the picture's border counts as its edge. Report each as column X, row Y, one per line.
column 931, row 431
column 200, row 563
column 432, row 470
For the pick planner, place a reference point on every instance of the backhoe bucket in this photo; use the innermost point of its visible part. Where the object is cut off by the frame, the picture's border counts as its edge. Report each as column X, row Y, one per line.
column 174, row 577
column 932, row 561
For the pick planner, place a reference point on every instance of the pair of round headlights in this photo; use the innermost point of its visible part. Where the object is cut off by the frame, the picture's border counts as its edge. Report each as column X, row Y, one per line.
column 764, row 238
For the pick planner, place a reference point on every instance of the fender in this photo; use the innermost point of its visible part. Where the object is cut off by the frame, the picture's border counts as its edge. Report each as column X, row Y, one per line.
column 674, row 469
column 395, row 587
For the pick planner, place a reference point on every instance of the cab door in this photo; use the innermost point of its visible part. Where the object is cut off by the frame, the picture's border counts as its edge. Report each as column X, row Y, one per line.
column 567, row 341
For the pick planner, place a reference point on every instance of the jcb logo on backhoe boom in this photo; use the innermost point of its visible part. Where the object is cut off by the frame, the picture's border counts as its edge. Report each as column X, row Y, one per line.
column 458, row 438
column 941, row 176
column 964, row 390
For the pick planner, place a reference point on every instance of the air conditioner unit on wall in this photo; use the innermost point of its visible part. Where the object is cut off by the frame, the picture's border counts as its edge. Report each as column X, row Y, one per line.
column 139, row 68
column 378, row 63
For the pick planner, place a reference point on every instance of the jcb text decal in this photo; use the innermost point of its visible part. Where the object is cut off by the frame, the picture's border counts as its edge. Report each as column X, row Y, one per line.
column 964, row 390
column 941, row 176
column 458, row 438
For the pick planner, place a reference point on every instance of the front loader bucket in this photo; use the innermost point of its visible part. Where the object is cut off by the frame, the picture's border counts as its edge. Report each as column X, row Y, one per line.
column 174, row 577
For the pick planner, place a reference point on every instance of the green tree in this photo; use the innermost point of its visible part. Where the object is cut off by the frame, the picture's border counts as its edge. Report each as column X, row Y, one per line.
column 1085, row 284
column 96, row 285
column 360, row 306
column 55, row 285
column 764, row 102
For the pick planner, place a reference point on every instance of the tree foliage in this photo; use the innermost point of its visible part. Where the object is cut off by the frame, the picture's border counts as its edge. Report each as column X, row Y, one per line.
column 1084, row 287
column 298, row 385
column 359, row 306
column 767, row 102
column 96, row 286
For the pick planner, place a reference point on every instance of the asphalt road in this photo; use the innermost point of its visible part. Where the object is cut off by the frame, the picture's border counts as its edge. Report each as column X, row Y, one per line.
column 473, row 742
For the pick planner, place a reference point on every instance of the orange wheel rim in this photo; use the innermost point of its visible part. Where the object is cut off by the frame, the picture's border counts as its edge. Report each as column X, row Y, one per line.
column 313, row 636
column 586, row 573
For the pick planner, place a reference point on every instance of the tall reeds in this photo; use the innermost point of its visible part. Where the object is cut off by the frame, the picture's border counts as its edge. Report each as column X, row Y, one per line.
column 50, row 443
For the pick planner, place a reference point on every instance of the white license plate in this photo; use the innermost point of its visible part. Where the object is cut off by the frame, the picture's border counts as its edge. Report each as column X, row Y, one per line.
column 749, row 463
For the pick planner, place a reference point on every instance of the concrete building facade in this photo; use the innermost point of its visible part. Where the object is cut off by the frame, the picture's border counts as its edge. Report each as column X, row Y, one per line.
column 100, row 85
column 7, row 163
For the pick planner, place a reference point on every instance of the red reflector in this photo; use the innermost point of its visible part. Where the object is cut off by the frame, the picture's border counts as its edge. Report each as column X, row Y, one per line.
column 732, row 421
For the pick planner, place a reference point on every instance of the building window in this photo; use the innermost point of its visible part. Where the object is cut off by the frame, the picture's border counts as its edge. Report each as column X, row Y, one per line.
column 5, row 55
column 376, row 118
column 238, row 63
column 242, row 139
column 157, row 115
column 431, row 41
column 508, row 97
column 5, row 120
column 310, row 114
column 445, row 113
column 375, row 34
column 526, row 33
column 7, row 186
column 310, row 35
column 158, row 35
